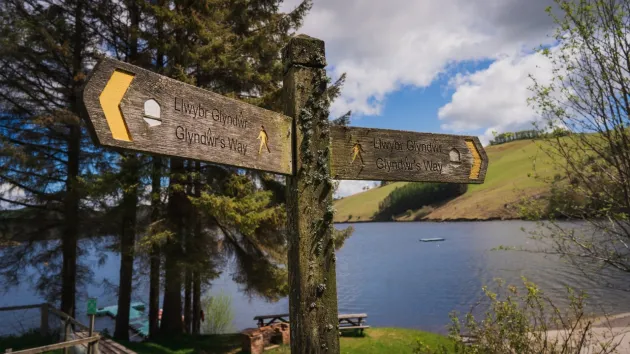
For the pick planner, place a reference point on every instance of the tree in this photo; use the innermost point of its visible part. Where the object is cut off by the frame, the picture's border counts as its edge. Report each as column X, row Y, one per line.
column 228, row 47
column 45, row 47
column 589, row 96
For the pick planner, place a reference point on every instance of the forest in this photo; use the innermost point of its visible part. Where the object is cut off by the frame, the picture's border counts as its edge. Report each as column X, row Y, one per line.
column 415, row 195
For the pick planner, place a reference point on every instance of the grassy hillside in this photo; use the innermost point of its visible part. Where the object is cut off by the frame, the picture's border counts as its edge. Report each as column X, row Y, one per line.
column 362, row 206
column 509, row 178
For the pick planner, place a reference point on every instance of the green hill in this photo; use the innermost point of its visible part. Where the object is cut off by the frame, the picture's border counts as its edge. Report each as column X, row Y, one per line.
column 509, row 178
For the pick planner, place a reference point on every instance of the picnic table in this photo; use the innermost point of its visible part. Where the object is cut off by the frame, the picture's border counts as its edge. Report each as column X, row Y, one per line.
column 355, row 321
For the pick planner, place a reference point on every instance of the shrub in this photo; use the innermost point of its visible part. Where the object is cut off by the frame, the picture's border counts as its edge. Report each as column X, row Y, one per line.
column 218, row 314
column 424, row 211
column 519, row 322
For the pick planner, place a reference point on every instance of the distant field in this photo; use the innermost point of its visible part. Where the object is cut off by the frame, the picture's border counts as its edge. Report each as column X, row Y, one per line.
column 509, row 178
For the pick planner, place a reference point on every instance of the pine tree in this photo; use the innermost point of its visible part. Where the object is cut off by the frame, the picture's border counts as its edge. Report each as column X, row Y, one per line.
column 230, row 47
column 46, row 155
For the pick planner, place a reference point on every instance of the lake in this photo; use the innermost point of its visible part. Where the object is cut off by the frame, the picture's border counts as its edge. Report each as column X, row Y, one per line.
column 385, row 271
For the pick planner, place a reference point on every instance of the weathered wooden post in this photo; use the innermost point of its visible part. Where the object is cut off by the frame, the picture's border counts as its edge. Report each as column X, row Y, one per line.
column 91, row 312
column 43, row 312
column 66, row 335
column 312, row 279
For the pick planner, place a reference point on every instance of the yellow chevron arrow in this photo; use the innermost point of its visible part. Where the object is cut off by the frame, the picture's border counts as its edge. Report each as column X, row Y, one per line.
column 110, row 98
column 476, row 166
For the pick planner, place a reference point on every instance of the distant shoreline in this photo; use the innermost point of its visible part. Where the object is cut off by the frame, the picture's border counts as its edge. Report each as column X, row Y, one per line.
column 433, row 220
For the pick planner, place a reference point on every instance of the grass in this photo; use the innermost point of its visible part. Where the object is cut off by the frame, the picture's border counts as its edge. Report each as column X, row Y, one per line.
column 384, row 340
column 509, row 178
column 210, row 344
column 375, row 340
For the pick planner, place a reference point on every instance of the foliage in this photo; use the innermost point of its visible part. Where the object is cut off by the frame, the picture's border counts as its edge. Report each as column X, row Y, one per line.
column 502, row 138
column 250, row 224
column 520, row 321
column 589, row 96
column 218, row 314
column 416, row 195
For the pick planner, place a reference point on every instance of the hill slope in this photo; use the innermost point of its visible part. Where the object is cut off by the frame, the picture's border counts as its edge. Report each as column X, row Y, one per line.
column 507, row 181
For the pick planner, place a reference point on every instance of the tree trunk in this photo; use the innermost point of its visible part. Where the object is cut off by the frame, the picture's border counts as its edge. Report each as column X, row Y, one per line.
column 171, row 323
column 190, row 255
column 196, row 301
column 71, row 230
column 188, row 301
column 154, row 277
column 130, row 178
column 71, row 202
column 156, row 189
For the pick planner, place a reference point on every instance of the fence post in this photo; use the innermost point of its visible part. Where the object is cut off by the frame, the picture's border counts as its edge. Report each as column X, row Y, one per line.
column 66, row 334
column 44, row 319
column 311, row 260
column 90, row 333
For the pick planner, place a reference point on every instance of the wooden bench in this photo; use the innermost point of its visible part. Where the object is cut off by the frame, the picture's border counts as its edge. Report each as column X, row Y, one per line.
column 347, row 322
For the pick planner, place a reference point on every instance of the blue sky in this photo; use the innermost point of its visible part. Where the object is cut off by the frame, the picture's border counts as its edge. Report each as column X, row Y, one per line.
column 448, row 66
column 416, row 108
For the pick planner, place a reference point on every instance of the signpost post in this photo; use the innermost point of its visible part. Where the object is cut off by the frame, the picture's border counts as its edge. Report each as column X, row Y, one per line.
column 131, row 108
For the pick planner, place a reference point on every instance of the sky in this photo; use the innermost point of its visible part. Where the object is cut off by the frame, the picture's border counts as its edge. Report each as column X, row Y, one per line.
column 447, row 66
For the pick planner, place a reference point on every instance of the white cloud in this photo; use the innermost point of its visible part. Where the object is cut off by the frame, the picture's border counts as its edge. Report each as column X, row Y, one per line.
column 347, row 188
column 383, row 45
column 495, row 98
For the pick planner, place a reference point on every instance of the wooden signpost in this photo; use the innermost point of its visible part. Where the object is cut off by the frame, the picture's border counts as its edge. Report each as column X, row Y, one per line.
column 131, row 108
column 394, row 155
column 135, row 109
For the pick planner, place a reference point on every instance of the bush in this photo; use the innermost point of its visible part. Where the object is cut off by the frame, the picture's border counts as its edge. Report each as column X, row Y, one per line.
column 519, row 323
column 424, row 211
column 218, row 314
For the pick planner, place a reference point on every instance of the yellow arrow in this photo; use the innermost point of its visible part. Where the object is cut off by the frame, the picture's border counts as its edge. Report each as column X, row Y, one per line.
column 110, row 98
column 476, row 166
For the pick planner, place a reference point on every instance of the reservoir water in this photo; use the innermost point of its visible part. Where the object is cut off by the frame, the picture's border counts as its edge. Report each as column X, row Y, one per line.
column 385, row 271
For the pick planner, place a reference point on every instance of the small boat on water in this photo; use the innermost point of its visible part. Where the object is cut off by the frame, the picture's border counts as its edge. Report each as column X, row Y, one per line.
column 431, row 239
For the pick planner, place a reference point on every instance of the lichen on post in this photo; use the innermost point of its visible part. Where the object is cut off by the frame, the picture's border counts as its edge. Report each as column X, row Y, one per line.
column 312, row 279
